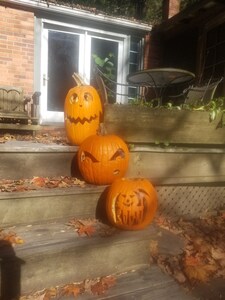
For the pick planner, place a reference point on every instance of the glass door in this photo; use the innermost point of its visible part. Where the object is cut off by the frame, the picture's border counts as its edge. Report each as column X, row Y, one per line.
column 60, row 61
column 111, row 57
column 65, row 50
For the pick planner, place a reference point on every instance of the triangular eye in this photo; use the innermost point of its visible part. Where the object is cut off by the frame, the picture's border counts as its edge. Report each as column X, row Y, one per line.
column 119, row 153
column 86, row 154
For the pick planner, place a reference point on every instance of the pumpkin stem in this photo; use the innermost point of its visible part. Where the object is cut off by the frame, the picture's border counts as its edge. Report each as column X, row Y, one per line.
column 101, row 129
column 78, row 79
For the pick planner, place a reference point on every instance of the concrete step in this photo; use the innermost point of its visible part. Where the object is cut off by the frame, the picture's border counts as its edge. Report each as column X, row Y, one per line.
column 164, row 165
column 54, row 254
column 49, row 204
column 88, row 202
column 146, row 283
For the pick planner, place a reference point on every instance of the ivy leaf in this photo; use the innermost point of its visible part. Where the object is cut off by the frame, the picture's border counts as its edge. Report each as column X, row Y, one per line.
column 212, row 115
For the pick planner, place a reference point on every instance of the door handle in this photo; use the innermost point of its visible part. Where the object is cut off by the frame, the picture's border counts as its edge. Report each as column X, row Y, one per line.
column 45, row 79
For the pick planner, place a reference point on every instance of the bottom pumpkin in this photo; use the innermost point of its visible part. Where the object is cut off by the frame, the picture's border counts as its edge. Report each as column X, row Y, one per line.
column 131, row 203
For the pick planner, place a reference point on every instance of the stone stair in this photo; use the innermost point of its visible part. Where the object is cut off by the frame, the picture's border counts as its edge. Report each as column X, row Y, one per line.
column 52, row 253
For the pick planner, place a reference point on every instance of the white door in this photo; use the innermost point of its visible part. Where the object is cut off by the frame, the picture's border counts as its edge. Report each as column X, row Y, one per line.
column 63, row 53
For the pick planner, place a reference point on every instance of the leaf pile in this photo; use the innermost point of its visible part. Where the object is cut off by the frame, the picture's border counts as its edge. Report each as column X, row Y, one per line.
column 203, row 256
column 45, row 137
column 10, row 237
column 97, row 286
column 91, row 227
column 36, row 183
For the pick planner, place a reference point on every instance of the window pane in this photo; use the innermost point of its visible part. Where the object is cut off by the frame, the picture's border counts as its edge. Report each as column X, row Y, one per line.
column 63, row 52
column 105, row 54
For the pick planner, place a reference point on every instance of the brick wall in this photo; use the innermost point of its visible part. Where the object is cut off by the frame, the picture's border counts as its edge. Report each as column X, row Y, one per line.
column 17, row 48
column 170, row 8
column 152, row 51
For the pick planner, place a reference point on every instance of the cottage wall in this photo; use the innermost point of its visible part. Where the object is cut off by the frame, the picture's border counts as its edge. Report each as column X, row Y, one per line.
column 17, row 48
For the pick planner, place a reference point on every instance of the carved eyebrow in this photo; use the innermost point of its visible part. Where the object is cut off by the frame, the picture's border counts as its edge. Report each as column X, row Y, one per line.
column 87, row 154
column 120, row 152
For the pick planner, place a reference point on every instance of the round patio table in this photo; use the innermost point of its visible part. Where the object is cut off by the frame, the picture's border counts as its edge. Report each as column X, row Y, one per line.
column 160, row 79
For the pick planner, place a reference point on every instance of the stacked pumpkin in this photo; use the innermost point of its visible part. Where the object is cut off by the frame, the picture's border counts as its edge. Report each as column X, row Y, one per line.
column 103, row 159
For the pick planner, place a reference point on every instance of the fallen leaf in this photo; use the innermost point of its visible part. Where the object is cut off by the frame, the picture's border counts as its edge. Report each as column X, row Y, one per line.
column 10, row 237
column 192, row 261
column 38, row 181
column 71, row 289
column 86, row 230
column 108, row 281
column 98, row 288
column 50, row 293
column 154, row 250
column 199, row 273
column 179, row 276
column 218, row 253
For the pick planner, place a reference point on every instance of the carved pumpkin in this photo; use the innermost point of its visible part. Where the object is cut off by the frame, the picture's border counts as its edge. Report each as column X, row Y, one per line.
column 103, row 158
column 131, row 203
column 82, row 113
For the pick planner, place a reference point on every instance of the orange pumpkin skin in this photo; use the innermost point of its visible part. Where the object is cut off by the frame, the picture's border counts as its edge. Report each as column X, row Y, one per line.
column 131, row 204
column 82, row 113
column 103, row 158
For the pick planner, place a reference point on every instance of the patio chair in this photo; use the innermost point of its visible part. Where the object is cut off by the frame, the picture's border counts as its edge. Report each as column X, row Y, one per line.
column 14, row 108
column 202, row 94
column 105, row 86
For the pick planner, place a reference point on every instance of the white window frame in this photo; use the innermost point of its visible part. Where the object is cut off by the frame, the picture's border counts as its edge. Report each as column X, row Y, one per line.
column 85, row 34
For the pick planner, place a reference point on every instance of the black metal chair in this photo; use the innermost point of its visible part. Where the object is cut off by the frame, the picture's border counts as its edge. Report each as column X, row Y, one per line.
column 105, row 87
column 199, row 94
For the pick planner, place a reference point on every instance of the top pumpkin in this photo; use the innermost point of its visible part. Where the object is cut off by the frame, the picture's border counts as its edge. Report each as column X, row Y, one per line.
column 82, row 113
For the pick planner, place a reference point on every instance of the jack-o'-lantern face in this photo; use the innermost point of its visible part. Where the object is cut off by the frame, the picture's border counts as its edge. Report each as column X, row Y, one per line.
column 102, row 159
column 82, row 113
column 131, row 203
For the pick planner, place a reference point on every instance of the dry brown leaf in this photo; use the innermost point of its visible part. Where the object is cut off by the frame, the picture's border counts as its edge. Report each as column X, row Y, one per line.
column 192, row 260
column 199, row 273
column 11, row 237
column 38, row 181
column 98, row 288
column 83, row 227
column 218, row 253
column 167, row 224
column 179, row 276
column 154, row 250
column 88, row 230
column 164, row 265
column 220, row 273
column 71, row 289
column 200, row 244
column 50, row 293
column 108, row 281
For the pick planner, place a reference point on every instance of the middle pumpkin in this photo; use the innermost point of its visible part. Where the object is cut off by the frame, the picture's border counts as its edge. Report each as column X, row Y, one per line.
column 103, row 158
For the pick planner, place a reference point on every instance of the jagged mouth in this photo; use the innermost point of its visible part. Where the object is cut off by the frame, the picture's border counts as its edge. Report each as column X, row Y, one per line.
column 81, row 121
